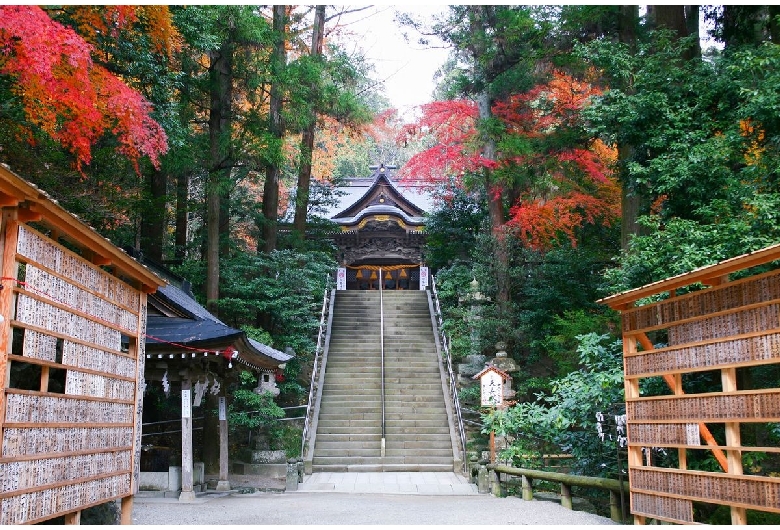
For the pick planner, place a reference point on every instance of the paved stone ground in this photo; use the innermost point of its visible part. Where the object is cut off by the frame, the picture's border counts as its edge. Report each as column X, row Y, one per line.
column 385, row 500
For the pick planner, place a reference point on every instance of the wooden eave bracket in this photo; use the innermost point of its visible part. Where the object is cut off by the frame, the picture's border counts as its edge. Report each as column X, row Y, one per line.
column 7, row 200
column 27, row 213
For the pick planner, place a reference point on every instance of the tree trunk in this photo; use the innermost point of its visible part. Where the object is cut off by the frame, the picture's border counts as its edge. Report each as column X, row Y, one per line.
column 774, row 25
column 307, row 138
column 276, row 128
column 182, row 211
column 630, row 198
column 478, row 17
column 153, row 220
column 679, row 19
column 221, row 76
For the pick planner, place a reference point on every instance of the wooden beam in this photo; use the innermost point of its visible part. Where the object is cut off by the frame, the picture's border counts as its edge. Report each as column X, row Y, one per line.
column 10, row 232
column 7, row 200
column 26, row 215
column 734, row 439
column 703, row 429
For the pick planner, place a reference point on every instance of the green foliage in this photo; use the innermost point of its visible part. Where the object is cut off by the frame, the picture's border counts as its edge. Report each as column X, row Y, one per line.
column 249, row 409
column 561, row 343
column 279, row 292
column 565, row 418
column 470, row 396
column 287, row 438
column 451, row 229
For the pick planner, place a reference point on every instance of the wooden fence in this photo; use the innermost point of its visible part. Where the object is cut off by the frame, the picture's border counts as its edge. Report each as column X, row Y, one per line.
column 617, row 489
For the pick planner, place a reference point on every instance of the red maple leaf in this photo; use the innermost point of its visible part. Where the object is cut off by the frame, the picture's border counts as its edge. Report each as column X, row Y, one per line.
column 66, row 95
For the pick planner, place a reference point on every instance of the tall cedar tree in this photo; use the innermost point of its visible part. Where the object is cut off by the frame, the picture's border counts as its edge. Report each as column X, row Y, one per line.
column 276, row 130
column 307, row 136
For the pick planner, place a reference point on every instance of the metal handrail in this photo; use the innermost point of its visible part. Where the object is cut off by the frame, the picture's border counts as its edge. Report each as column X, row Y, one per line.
column 450, row 372
column 315, row 370
column 382, row 357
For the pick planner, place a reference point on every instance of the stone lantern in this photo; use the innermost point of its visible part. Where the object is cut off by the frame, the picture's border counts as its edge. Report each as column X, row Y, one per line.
column 266, row 382
column 474, row 298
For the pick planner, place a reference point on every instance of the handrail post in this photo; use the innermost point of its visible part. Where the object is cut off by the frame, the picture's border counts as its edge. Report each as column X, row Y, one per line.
column 382, row 357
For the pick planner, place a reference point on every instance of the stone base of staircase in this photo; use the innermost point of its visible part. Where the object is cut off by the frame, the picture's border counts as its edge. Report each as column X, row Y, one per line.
column 409, row 483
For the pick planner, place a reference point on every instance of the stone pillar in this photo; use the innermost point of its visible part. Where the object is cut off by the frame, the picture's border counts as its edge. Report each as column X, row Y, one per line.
column 482, row 479
column 292, row 475
column 187, row 493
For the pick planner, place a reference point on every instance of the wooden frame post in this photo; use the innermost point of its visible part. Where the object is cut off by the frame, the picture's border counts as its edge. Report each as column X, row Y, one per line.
column 187, row 493
column 733, row 439
column 224, row 482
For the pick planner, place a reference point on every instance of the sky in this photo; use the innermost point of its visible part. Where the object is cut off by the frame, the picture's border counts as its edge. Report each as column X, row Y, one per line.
column 407, row 68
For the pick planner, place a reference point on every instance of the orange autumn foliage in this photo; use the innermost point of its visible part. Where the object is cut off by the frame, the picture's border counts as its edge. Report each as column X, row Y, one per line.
column 66, row 95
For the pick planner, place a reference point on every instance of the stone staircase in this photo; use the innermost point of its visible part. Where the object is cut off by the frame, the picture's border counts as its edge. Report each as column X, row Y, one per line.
column 418, row 435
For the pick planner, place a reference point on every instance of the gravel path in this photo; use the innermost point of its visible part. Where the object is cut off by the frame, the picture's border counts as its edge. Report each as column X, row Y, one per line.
column 304, row 508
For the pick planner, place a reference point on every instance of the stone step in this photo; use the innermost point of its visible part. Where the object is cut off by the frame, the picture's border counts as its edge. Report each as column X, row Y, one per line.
column 420, row 428
column 401, row 416
column 340, row 428
column 329, row 437
column 378, row 460
column 391, row 385
column 365, row 419
column 369, row 468
column 436, row 438
column 353, row 370
column 349, row 451
column 391, row 451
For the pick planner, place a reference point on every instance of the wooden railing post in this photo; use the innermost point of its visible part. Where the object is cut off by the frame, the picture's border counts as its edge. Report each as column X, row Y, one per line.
column 615, row 509
column 528, row 489
column 496, row 488
column 566, row 496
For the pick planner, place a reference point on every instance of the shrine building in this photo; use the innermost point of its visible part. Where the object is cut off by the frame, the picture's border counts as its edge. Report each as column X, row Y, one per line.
column 382, row 233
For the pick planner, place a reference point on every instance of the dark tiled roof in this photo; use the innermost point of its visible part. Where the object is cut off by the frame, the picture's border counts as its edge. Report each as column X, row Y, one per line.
column 201, row 330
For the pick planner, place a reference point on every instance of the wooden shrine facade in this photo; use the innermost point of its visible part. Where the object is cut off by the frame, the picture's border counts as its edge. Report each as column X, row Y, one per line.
column 72, row 324
column 727, row 329
column 381, row 237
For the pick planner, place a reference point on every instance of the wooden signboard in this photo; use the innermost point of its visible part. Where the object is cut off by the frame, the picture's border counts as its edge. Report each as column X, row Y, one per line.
column 71, row 363
column 726, row 327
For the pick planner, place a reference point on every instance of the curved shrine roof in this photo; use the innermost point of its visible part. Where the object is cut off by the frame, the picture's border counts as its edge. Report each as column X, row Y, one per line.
column 379, row 194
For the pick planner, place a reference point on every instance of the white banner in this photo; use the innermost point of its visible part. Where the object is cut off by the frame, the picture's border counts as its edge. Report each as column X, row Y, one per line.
column 186, row 404
column 222, row 409
column 341, row 279
column 423, row 278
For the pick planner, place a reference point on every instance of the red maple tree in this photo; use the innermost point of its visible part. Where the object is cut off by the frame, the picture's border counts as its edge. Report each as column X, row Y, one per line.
column 453, row 127
column 69, row 97
column 557, row 185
